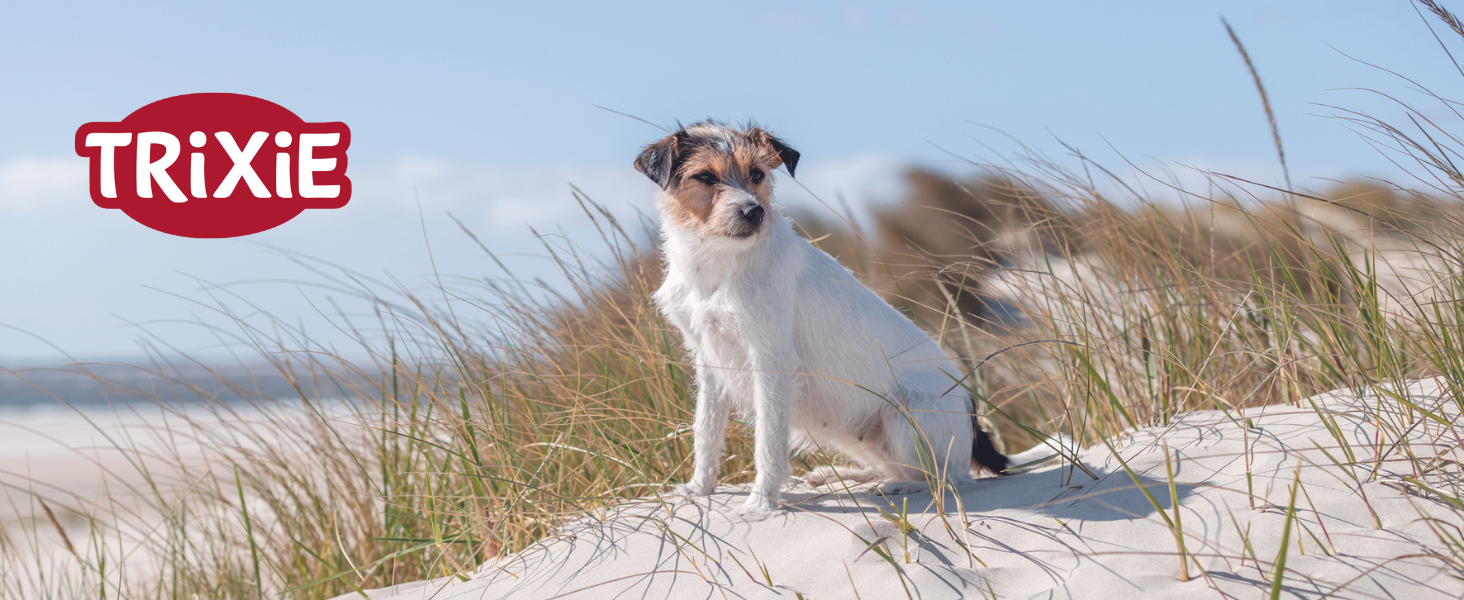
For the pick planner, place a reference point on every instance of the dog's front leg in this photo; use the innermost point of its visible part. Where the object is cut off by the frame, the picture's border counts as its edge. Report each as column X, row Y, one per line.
column 773, row 386
column 709, row 434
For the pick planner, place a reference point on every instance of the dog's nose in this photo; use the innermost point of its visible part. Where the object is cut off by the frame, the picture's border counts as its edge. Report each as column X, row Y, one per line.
column 753, row 213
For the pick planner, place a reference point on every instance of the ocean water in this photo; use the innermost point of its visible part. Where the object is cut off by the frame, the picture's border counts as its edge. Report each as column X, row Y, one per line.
column 87, row 384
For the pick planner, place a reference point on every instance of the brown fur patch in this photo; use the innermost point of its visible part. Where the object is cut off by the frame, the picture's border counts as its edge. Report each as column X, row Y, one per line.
column 689, row 203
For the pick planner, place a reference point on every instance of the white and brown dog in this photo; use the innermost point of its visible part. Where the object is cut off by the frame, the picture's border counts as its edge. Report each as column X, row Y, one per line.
column 780, row 331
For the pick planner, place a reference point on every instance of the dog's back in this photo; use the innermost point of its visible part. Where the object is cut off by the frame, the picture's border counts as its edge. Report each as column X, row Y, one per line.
column 857, row 348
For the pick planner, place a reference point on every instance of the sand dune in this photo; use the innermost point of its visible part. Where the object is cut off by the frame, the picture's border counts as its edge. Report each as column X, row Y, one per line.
column 1060, row 532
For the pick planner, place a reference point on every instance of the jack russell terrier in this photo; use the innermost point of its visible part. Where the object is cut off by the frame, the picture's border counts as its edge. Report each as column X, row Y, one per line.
column 781, row 332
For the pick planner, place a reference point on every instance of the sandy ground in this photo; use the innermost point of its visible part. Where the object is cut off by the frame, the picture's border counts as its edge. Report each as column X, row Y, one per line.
column 1057, row 533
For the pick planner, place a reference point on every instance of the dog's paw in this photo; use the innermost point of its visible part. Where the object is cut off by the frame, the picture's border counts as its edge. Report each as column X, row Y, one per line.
column 903, row 488
column 758, row 508
column 689, row 490
column 819, row 476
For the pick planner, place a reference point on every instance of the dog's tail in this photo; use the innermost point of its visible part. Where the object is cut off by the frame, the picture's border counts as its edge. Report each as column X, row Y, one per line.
column 985, row 454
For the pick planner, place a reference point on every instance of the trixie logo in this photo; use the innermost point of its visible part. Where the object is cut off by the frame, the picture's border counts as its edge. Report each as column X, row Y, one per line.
column 215, row 165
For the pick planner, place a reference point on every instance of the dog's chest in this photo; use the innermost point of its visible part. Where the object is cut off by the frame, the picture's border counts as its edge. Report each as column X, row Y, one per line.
column 713, row 325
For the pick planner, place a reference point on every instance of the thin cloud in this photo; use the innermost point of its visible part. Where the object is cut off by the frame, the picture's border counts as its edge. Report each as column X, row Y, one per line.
column 32, row 184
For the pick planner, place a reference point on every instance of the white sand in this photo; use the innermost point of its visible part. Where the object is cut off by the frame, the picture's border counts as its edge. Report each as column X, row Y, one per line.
column 1055, row 533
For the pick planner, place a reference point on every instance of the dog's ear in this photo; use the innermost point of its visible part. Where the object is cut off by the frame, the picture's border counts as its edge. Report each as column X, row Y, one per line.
column 659, row 160
column 786, row 153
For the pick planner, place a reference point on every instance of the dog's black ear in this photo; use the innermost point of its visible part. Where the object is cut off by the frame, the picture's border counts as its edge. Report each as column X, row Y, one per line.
column 785, row 152
column 659, row 160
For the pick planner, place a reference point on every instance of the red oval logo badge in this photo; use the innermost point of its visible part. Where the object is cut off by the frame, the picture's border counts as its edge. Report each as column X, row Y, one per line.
column 215, row 165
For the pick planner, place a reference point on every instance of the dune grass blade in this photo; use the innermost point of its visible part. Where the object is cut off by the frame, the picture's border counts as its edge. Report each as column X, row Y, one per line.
column 1184, row 556
column 1278, row 572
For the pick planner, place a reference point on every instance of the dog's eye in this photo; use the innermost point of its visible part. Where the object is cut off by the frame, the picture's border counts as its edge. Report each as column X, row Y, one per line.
column 706, row 178
column 757, row 175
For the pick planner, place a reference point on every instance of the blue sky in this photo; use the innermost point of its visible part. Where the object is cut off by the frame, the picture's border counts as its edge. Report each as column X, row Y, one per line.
column 488, row 112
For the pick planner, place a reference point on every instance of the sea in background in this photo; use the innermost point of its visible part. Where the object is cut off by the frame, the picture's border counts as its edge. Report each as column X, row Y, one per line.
column 42, row 386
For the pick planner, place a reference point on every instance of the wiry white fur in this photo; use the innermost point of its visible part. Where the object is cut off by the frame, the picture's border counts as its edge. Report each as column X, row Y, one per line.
column 780, row 331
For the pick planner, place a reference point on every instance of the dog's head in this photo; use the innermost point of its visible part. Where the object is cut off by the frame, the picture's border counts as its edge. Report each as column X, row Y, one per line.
column 717, row 179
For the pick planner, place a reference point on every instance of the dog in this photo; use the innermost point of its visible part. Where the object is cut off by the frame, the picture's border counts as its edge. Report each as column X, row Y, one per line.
column 778, row 330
